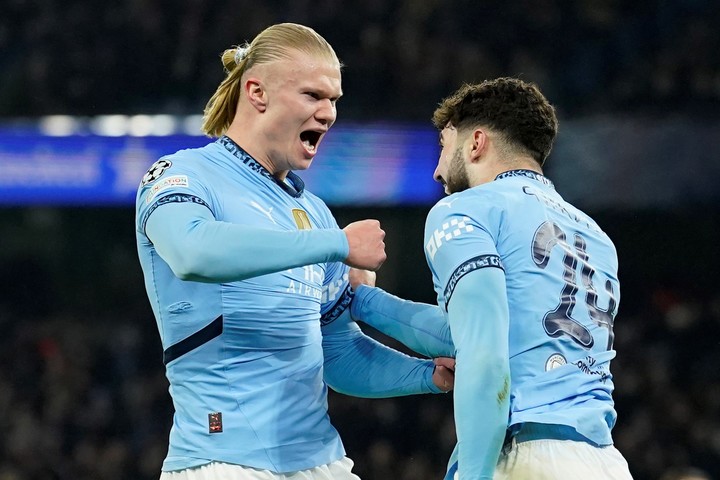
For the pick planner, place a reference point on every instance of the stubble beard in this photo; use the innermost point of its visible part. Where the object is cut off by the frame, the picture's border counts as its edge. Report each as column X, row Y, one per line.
column 457, row 178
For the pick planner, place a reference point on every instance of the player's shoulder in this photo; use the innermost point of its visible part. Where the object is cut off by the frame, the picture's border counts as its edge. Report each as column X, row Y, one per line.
column 190, row 161
column 193, row 158
column 183, row 170
column 477, row 202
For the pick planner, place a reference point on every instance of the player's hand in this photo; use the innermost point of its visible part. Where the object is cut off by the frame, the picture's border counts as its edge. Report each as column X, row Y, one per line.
column 367, row 246
column 359, row 277
column 444, row 373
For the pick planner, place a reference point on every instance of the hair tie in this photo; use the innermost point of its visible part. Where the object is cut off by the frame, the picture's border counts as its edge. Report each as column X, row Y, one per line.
column 240, row 53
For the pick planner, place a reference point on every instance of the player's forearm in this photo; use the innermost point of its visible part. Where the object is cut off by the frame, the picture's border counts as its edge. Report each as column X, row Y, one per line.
column 478, row 315
column 199, row 248
column 420, row 326
column 481, row 415
column 357, row 365
column 481, row 399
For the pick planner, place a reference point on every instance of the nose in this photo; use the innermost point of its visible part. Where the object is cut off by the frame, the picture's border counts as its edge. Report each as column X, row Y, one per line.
column 436, row 175
column 326, row 112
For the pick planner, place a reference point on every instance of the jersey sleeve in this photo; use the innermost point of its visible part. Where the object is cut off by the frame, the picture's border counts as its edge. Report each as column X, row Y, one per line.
column 421, row 327
column 171, row 180
column 176, row 213
column 460, row 237
column 460, row 246
column 355, row 364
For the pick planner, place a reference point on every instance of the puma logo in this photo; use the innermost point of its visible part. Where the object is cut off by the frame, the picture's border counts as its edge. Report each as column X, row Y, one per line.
column 446, row 203
column 266, row 212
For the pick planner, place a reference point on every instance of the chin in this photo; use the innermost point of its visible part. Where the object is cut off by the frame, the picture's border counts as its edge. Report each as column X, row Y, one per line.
column 302, row 164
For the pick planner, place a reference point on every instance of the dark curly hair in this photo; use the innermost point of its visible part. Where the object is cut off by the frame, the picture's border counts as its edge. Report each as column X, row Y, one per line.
column 515, row 109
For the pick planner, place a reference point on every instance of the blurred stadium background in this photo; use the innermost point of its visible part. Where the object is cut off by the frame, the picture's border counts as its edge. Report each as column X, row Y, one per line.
column 93, row 92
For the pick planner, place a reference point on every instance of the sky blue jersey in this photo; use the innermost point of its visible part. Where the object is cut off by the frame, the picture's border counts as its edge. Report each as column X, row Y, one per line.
column 245, row 355
column 560, row 278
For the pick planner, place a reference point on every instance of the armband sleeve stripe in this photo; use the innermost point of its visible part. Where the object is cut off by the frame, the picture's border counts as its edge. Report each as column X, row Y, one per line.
column 172, row 198
column 475, row 263
column 339, row 307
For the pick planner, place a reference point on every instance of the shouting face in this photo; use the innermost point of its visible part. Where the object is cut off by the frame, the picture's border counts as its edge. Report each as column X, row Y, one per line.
column 300, row 94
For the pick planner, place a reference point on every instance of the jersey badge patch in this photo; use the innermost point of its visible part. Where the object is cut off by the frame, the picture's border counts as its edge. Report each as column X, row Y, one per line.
column 301, row 219
column 215, row 422
column 555, row 360
column 155, row 171
column 169, row 182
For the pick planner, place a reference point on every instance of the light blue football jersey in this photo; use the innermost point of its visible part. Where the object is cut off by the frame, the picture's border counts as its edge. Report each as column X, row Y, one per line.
column 562, row 288
column 244, row 359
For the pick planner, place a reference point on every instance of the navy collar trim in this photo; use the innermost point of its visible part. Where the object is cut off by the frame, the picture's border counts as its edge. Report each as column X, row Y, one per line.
column 294, row 185
column 528, row 174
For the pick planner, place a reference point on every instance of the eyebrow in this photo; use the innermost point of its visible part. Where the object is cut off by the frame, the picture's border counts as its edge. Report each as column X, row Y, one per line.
column 322, row 92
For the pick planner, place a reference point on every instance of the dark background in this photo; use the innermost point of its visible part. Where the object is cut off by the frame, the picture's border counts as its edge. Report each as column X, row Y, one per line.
column 82, row 387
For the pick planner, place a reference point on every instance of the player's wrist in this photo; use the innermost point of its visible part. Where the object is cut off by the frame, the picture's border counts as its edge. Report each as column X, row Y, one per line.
column 429, row 378
column 330, row 243
column 343, row 244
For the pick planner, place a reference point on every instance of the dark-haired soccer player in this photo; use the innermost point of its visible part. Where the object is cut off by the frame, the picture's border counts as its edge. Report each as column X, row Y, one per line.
column 530, row 287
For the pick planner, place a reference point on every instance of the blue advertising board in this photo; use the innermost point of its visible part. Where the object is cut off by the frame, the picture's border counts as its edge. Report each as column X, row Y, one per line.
column 356, row 165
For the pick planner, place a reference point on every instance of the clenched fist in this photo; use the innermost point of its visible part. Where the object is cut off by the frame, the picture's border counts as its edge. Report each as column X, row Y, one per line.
column 367, row 246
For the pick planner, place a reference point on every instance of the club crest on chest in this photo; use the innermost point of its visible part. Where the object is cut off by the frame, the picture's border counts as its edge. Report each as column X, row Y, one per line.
column 301, row 219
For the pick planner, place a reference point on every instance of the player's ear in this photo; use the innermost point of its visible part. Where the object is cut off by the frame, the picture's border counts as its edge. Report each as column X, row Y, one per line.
column 479, row 144
column 256, row 93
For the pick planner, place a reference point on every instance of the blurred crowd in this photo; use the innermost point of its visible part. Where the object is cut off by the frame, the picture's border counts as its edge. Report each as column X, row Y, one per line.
column 90, row 57
column 83, row 394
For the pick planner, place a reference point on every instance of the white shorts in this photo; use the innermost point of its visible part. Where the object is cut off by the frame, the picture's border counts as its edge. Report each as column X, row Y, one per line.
column 339, row 470
column 561, row 460
column 553, row 459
